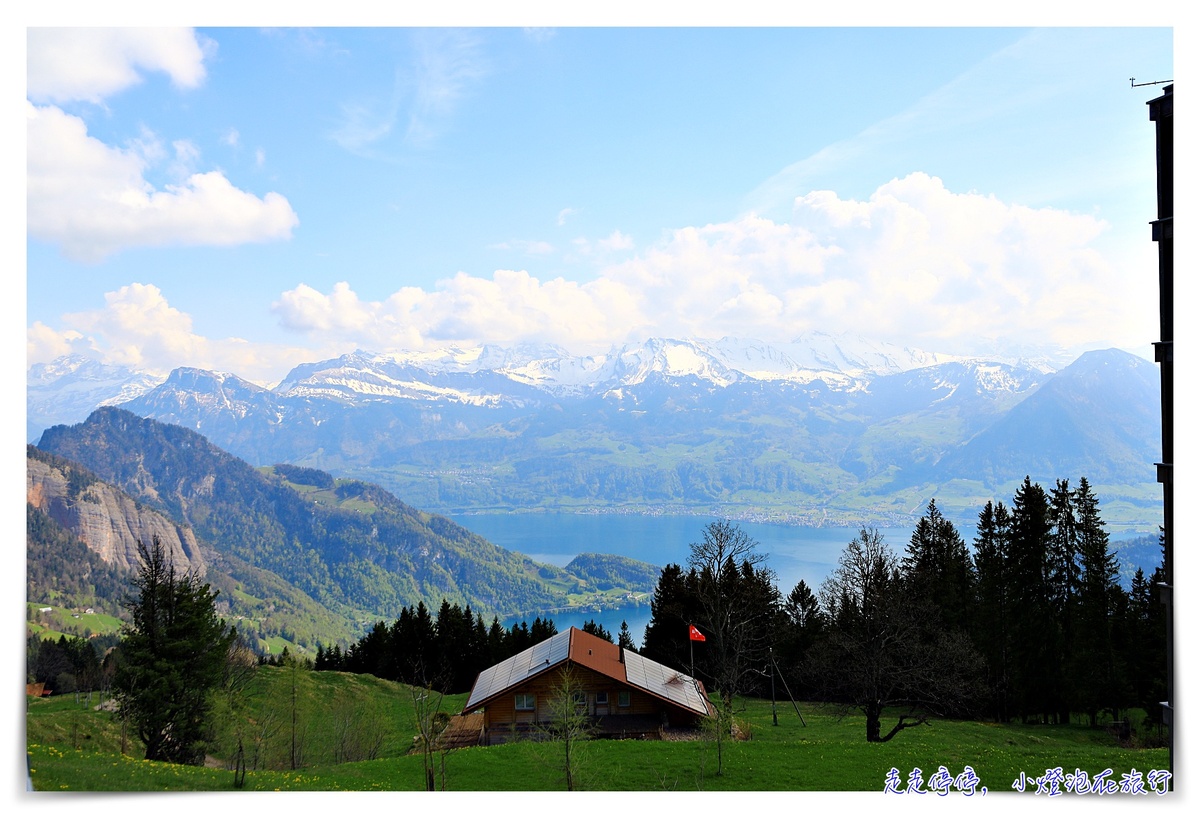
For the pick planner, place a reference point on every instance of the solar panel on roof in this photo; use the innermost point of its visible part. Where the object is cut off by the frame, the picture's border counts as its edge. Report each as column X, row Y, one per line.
column 550, row 652
column 507, row 673
column 663, row 681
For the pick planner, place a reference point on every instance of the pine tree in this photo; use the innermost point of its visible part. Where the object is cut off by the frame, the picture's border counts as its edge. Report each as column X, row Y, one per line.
column 596, row 629
column 937, row 569
column 1034, row 629
column 1062, row 584
column 625, row 638
column 991, row 624
column 879, row 651
column 672, row 608
column 173, row 657
column 1098, row 671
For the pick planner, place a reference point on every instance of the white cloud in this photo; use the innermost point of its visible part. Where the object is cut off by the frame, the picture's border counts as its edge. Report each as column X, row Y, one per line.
column 528, row 246
column 915, row 263
column 138, row 328
column 616, row 241
column 91, row 64
column 540, row 35
column 448, row 63
column 511, row 306
column 565, row 214
column 423, row 97
column 94, row 200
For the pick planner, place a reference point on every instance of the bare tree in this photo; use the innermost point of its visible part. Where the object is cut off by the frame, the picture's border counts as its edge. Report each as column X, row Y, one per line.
column 880, row 650
column 358, row 731
column 241, row 665
column 427, row 703
column 724, row 541
column 718, row 727
column 569, row 723
column 738, row 606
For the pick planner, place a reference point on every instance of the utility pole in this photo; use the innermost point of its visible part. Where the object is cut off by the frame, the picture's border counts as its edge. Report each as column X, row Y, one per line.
column 774, row 715
column 1162, row 232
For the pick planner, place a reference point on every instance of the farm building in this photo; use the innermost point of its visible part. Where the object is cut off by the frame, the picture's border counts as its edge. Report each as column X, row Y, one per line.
column 625, row 694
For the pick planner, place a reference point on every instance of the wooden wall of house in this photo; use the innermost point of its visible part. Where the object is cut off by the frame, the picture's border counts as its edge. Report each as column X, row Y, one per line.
column 545, row 687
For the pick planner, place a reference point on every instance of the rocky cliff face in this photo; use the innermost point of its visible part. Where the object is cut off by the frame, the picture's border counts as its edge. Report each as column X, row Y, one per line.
column 110, row 522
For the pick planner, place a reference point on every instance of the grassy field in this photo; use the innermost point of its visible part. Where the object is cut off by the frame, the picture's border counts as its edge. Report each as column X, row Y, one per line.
column 73, row 747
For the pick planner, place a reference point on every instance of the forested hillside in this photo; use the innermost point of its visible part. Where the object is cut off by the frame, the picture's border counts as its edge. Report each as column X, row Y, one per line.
column 350, row 546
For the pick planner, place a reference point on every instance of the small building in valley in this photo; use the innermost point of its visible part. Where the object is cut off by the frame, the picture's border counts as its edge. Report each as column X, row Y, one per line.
column 622, row 693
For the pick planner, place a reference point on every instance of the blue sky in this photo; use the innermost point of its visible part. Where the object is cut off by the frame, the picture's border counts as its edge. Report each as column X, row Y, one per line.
column 246, row 199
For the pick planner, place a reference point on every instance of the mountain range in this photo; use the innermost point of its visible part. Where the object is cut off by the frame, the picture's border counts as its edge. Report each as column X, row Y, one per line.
column 297, row 554
column 825, row 430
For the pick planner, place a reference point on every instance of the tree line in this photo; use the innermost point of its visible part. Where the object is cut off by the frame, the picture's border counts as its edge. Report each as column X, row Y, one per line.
column 445, row 651
column 1032, row 624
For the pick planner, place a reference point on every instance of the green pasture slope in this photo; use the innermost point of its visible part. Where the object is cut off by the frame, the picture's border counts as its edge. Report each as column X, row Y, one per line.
column 73, row 747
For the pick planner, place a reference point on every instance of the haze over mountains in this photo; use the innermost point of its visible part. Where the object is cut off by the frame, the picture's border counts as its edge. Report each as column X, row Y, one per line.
column 826, row 430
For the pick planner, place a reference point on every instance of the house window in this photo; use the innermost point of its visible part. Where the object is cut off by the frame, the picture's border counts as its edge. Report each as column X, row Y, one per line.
column 525, row 701
column 579, row 699
column 623, row 698
column 602, row 698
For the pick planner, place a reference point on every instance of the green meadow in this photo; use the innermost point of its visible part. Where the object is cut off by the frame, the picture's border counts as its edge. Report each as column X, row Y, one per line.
column 356, row 733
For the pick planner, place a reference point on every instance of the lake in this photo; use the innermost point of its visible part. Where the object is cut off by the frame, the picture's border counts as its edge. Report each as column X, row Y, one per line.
column 795, row 553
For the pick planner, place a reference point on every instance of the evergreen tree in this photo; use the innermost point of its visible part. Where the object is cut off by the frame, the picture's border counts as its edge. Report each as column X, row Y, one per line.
column 937, row 569
column 1034, row 630
column 596, row 629
column 625, row 638
column 805, row 624
column 1098, row 670
column 173, row 658
column 672, row 608
column 879, row 651
column 991, row 624
column 1146, row 651
column 542, row 629
column 737, row 606
column 495, row 642
column 1062, row 583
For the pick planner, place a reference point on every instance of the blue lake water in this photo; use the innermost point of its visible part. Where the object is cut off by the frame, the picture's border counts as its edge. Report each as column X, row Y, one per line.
column 793, row 552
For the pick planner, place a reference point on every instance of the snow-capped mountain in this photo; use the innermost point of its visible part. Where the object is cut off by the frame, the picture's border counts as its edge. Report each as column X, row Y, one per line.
column 69, row 388
column 523, row 375
column 840, row 362
column 823, row 420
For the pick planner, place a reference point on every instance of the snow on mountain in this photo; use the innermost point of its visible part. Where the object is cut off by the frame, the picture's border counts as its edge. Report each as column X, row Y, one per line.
column 363, row 376
column 67, row 389
column 524, row 374
column 859, row 357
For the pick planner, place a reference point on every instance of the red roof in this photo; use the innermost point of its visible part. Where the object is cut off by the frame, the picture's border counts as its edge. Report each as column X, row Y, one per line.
column 590, row 651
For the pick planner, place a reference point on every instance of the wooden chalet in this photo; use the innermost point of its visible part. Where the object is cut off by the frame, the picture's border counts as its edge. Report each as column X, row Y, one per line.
column 625, row 694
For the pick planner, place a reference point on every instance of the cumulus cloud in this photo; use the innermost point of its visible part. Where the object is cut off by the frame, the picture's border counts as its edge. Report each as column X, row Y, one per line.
column 91, row 64
column 138, row 328
column 510, row 306
column 94, row 200
column 616, row 241
column 915, row 263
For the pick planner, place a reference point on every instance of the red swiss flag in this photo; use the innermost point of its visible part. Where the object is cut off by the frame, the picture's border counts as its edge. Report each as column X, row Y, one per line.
column 694, row 634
